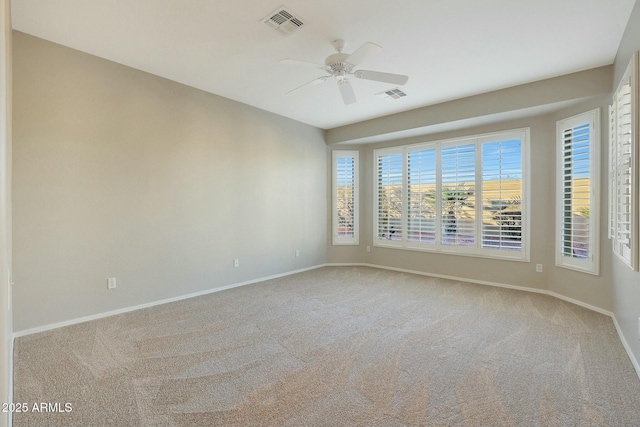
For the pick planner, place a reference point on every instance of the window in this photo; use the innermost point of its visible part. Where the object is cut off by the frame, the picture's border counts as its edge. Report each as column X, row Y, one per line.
column 577, row 192
column 421, row 215
column 345, row 197
column 458, row 165
column 502, row 194
column 463, row 196
column 390, row 209
column 623, row 173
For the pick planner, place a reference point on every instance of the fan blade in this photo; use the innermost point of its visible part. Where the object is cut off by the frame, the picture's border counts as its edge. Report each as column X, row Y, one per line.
column 396, row 79
column 303, row 63
column 346, row 90
column 311, row 83
column 364, row 52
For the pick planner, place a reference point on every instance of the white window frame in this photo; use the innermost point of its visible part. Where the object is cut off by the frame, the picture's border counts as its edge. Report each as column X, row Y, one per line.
column 477, row 250
column 376, row 223
column 623, row 167
column 592, row 262
column 338, row 239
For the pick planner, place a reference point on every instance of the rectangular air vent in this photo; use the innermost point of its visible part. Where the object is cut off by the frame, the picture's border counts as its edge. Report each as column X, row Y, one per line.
column 283, row 21
column 391, row 94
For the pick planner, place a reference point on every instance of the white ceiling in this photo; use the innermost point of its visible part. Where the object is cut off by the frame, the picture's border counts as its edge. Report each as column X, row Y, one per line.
column 449, row 48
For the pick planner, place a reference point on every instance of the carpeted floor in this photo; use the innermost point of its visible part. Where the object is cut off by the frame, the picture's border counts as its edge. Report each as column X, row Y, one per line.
column 343, row 346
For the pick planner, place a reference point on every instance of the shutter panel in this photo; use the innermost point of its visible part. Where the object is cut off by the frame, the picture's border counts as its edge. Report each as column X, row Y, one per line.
column 421, row 187
column 575, row 194
column 623, row 173
column 458, row 195
column 623, row 166
column 389, row 188
column 612, row 171
column 502, row 195
column 345, row 196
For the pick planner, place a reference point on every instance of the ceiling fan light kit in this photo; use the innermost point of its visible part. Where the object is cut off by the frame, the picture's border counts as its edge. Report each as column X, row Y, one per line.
column 340, row 65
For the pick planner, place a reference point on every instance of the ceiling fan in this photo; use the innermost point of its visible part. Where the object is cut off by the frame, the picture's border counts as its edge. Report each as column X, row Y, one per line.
column 341, row 65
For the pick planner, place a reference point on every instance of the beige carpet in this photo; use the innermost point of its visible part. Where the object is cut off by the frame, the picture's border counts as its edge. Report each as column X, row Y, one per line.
column 338, row 346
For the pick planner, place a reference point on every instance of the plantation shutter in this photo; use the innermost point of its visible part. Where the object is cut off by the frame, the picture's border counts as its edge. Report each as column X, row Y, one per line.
column 502, row 194
column 577, row 192
column 460, row 196
column 458, row 165
column 612, row 171
column 345, row 197
column 390, row 219
column 422, row 200
column 624, row 174
column 575, row 195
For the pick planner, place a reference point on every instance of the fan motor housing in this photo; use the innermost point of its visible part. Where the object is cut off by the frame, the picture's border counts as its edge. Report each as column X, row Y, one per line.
column 335, row 59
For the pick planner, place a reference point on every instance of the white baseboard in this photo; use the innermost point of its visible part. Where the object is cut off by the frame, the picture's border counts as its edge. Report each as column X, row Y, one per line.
column 347, row 264
column 580, row 303
column 154, row 303
column 625, row 344
column 459, row 279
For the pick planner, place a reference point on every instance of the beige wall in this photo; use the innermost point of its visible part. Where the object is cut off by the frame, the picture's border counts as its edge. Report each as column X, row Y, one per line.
column 460, row 112
column 593, row 290
column 6, row 335
column 6, row 328
column 490, row 270
column 587, row 288
column 626, row 283
column 537, row 105
column 118, row 173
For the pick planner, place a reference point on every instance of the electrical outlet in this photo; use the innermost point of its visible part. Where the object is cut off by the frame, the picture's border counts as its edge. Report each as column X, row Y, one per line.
column 538, row 268
column 236, row 262
column 297, row 253
column 368, row 248
column 111, row 283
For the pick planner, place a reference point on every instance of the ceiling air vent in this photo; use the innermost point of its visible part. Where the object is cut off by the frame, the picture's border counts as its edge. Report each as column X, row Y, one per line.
column 283, row 21
column 391, row 94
